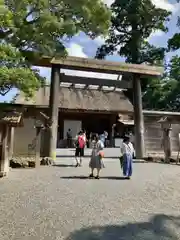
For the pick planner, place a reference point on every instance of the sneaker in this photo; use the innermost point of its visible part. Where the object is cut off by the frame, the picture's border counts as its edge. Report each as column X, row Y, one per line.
column 91, row 176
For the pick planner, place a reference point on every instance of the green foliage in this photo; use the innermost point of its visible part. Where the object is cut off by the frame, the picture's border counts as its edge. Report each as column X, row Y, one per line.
column 42, row 26
column 15, row 72
column 164, row 93
column 174, row 42
column 172, row 100
column 132, row 23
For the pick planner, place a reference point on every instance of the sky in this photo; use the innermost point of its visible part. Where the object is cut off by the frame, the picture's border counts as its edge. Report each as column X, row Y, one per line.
column 82, row 46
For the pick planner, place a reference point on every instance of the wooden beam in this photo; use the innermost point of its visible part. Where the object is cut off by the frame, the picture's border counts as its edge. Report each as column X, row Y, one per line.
column 95, row 81
column 160, row 113
column 86, row 64
column 94, row 65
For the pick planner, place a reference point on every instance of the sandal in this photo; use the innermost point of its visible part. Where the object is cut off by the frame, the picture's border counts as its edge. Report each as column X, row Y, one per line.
column 97, row 177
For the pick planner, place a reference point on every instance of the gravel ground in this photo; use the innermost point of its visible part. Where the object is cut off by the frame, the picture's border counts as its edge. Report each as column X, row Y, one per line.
column 59, row 202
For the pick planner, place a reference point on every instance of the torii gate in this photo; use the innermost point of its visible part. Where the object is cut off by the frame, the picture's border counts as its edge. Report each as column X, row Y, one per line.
column 132, row 74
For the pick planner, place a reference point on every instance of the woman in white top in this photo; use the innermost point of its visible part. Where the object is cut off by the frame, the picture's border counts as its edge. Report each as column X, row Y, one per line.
column 127, row 150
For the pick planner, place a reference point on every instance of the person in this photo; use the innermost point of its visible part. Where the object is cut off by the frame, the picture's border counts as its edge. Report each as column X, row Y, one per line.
column 79, row 144
column 106, row 138
column 85, row 140
column 96, row 157
column 69, row 138
column 102, row 138
column 127, row 150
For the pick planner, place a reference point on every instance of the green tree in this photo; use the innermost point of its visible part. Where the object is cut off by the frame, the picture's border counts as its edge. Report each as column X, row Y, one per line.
column 133, row 22
column 174, row 42
column 42, row 27
column 172, row 100
column 15, row 73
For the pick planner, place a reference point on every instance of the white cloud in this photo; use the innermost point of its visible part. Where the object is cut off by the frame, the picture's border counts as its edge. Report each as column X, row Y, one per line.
column 108, row 2
column 164, row 4
column 99, row 40
column 76, row 50
column 157, row 33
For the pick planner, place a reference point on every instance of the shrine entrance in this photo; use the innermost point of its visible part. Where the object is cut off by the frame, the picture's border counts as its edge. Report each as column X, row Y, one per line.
column 129, row 76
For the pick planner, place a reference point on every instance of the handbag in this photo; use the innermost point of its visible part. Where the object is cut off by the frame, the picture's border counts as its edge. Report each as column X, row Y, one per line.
column 101, row 154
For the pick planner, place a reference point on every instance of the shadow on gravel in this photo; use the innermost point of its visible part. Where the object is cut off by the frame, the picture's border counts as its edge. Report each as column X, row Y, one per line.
column 63, row 165
column 75, row 177
column 86, row 177
column 158, row 227
column 70, row 156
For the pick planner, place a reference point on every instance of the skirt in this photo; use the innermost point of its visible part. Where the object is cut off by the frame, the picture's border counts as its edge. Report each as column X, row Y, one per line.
column 96, row 161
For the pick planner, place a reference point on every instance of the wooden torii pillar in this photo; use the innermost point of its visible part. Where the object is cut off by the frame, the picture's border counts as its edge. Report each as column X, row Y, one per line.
column 138, row 117
column 54, row 110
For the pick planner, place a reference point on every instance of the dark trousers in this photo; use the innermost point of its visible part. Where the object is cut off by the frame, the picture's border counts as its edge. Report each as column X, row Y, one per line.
column 69, row 142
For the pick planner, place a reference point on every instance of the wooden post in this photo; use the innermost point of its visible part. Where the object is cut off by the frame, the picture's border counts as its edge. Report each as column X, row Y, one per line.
column 138, row 118
column 4, row 162
column 166, row 127
column 11, row 142
column 54, row 109
column 38, row 145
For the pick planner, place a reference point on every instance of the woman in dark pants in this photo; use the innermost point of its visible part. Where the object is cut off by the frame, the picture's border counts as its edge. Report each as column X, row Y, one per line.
column 79, row 152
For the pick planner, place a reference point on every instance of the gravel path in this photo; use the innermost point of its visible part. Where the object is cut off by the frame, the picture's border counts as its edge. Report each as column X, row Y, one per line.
column 59, row 202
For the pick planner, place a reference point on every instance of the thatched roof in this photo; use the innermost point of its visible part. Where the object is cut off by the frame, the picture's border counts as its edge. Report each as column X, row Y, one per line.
column 82, row 99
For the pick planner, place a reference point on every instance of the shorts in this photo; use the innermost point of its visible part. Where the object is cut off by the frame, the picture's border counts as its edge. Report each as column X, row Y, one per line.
column 79, row 152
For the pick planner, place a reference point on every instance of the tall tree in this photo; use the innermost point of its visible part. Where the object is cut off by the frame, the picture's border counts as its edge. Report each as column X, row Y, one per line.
column 172, row 99
column 133, row 22
column 42, row 26
column 174, row 42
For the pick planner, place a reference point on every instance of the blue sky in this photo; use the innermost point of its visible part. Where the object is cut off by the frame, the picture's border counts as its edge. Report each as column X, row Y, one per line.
column 82, row 46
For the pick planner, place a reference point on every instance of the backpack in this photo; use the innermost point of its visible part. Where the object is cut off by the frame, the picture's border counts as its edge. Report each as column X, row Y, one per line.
column 81, row 142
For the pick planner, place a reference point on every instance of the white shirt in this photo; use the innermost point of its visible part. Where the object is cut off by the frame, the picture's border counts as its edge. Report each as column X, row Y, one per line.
column 127, row 148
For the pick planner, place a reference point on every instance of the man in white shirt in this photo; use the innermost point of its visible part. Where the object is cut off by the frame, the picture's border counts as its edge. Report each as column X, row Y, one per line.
column 127, row 150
